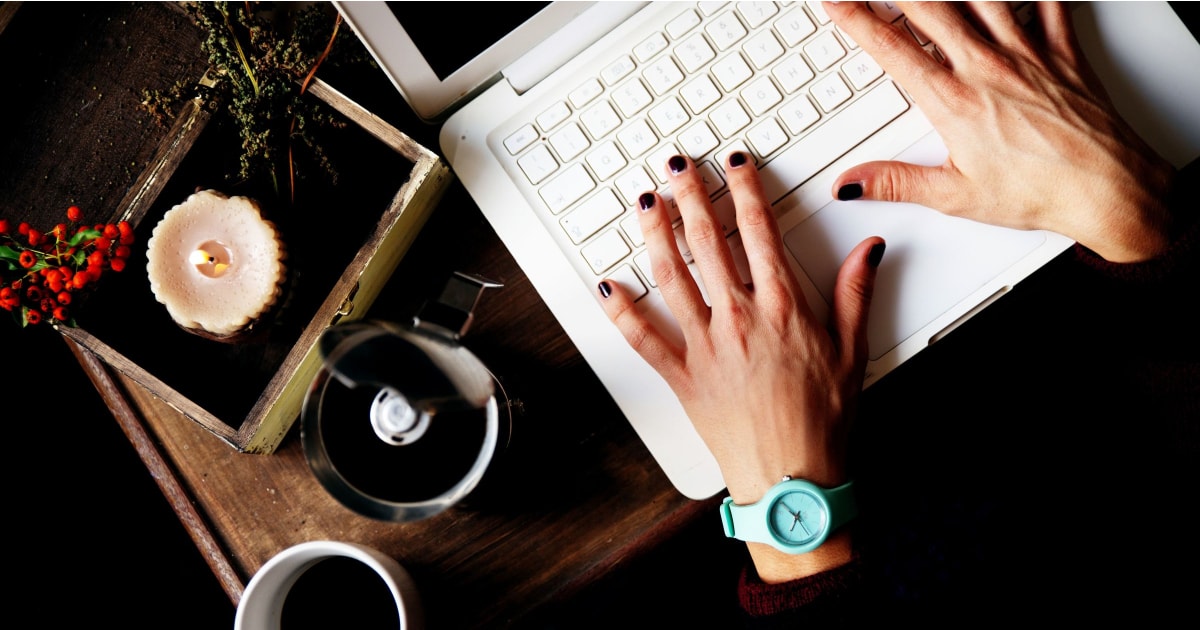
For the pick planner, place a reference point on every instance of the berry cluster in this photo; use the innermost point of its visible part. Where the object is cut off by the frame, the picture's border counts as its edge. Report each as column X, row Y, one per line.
column 41, row 271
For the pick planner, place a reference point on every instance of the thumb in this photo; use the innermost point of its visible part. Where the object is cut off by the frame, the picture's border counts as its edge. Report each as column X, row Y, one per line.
column 937, row 187
column 852, row 293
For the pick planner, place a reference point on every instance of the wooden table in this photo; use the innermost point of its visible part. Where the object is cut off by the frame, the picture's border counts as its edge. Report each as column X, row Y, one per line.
column 573, row 500
column 575, row 495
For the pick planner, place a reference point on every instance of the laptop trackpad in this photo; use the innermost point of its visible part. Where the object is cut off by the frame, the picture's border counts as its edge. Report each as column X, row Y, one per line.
column 932, row 261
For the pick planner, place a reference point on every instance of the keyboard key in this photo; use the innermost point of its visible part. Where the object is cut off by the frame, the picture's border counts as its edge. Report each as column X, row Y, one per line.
column 766, row 137
column 538, row 164
column 569, row 142
column 725, row 30
column 818, row 12
column 700, row 94
column 585, row 93
column 685, row 22
column 710, row 8
column 857, row 122
column 635, row 181
column 694, row 52
column 756, row 13
column 662, row 75
column 794, row 27
column 799, row 114
column 762, row 49
column 631, row 98
column 824, row 51
column 792, row 73
column 831, row 92
column 637, row 138
column 657, row 161
column 520, row 139
column 567, row 188
column 632, row 227
column 731, row 72
column 642, row 261
column 760, row 95
column 668, row 116
column 861, row 70
column 629, row 281
column 607, row 250
column 698, row 140
column 591, row 215
column 729, row 118
column 617, row 70
column 649, row 47
column 606, row 160
column 888, row 11
column 600, row 120
column 553, row 115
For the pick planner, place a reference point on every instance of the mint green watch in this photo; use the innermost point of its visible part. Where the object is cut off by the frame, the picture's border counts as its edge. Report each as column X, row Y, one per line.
column 794, row 516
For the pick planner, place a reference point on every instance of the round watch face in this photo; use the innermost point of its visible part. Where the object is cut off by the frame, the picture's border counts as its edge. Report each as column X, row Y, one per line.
column 798, row 517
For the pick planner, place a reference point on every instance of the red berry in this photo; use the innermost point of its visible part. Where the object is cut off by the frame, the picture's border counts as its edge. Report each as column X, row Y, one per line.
column 80, row 280
column 64, row 298
column 35, row 237
column 60, row 313
column 27, row 259
column 117, row 264
column 111, row 231
column 74, row 213
column 32, row 317
column 3, row 226
column 23, row 228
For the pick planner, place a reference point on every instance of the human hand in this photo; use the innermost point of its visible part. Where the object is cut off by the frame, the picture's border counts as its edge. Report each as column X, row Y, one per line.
column 769, row 389
column 1034, row 142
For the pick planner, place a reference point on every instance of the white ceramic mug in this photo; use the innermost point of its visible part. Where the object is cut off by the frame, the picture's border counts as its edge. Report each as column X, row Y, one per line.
column 262, row 604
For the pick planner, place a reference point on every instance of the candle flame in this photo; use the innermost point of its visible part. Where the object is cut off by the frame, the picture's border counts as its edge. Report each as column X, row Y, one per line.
column 200, row 257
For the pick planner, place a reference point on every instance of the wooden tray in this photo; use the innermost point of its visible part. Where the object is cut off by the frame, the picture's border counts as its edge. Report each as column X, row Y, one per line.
column 344, row 240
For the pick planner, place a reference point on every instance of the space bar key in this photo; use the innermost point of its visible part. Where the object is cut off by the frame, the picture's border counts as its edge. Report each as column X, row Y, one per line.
column 830, row 141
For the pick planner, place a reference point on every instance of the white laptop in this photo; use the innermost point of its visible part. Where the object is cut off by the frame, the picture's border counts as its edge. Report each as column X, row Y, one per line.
column 562, row 115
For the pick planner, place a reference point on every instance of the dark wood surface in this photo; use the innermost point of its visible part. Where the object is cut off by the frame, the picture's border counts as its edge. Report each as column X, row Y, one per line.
column 566, row 518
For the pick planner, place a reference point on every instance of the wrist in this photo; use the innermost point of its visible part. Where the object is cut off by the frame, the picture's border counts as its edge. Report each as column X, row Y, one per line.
column 774, row 566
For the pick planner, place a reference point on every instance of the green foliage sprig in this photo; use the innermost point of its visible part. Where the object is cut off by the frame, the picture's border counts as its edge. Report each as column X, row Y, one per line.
column 262, row 57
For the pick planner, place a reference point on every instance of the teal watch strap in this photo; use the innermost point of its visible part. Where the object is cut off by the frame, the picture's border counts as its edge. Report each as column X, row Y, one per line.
column 828, row 508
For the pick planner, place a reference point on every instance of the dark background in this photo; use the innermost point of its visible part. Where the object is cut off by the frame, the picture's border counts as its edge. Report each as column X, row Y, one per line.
column 95, row 543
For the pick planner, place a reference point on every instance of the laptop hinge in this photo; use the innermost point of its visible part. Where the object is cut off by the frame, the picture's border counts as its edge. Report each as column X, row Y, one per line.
column 556, row 50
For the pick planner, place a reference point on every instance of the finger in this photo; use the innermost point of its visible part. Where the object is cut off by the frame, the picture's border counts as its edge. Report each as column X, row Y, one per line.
column 894, row 50
column 998, row 21
column 853, row 289
column 1063, row 49
column 756, row 223
column 939, row 187
column 671, row 274
column 638, row 331
column 703, row 232
column 946, row 25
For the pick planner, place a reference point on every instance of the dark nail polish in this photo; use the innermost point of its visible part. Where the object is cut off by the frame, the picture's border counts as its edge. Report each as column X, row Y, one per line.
column 605, row 289
column 850, row 191
column 737, row 158
column 876, row 254
column 677, row 164
column 646, row 201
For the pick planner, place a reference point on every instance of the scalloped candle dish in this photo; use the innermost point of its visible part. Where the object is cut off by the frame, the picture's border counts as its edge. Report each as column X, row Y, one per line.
column 216, row 264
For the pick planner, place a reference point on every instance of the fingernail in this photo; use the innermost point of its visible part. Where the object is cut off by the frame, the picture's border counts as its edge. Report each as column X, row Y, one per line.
column 737, row 158
column 876, row 254
column 850, row 191
column 606, row 288
column 646, row 201
column 677, row 164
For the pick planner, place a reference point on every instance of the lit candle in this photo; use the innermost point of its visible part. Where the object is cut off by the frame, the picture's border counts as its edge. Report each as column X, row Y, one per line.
column 216, row 263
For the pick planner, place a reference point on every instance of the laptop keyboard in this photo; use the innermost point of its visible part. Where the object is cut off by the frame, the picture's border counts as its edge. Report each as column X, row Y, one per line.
column 777, row 81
